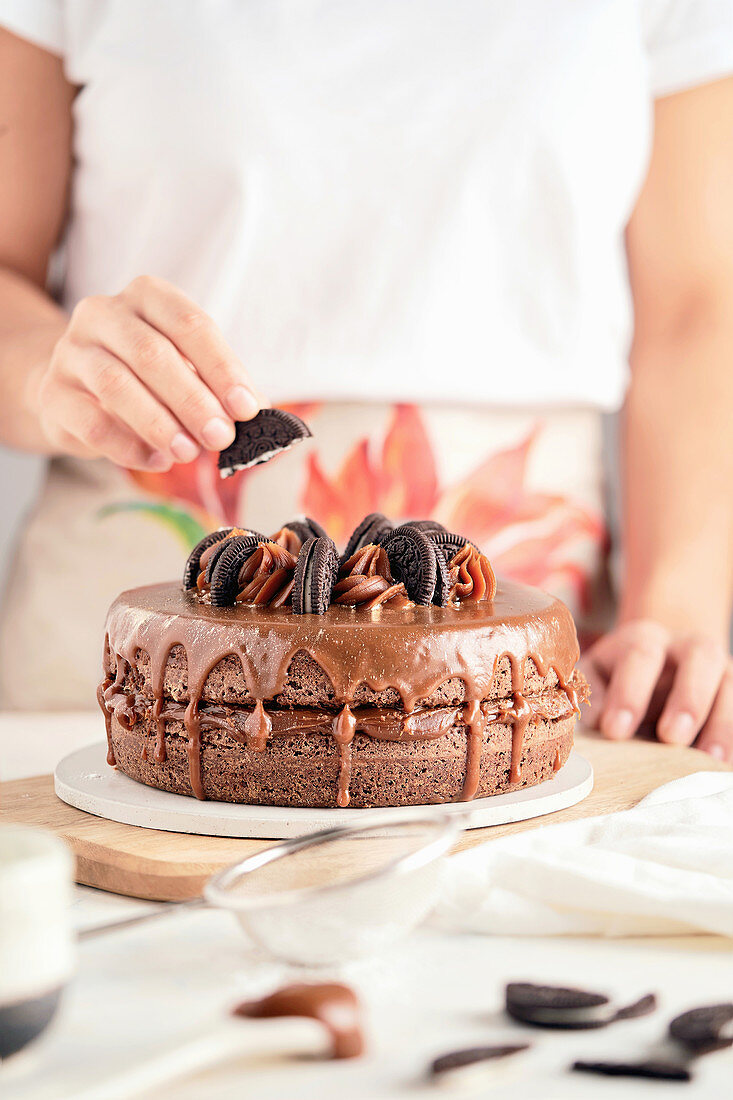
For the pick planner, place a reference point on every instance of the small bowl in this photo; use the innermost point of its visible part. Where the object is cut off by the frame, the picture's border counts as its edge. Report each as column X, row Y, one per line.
column 36, row 942
column 342, row 893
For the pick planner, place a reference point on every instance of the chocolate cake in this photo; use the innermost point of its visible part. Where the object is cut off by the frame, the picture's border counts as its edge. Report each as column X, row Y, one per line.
column 281, row 674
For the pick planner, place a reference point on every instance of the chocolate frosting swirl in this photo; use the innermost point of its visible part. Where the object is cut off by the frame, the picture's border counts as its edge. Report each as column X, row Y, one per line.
column 266, row 579
column 289, row 539
column 267, row 576
column 471, row 575
column 365, row 580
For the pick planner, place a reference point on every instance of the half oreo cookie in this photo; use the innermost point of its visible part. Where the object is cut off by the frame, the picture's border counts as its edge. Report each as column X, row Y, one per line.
column 556, row 1006
column 306, row 528
column 474, row 1062
column 225, row 575
column 449, row 543
column 428, row 526
column 219, row 550
column 191, row 572
column 704, row 1029
column 258, row 440
column 372, row 528
column 442, row 579
column 413, row 561
column 316, row 572
column 650, row 1068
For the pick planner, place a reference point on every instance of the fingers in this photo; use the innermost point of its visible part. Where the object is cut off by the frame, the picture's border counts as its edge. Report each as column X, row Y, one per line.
column 640, row 650
column 121, row 394
column 717, row 736
column 96, row 432
column 700, row 666
column 597, row 682
column 198, row 339
column 108, row 324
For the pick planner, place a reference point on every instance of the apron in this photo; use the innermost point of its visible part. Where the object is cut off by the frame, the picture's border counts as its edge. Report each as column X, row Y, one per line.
column 526, row 486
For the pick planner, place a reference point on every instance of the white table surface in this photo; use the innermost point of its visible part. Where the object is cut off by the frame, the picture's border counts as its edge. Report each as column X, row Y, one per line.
column 145, row 988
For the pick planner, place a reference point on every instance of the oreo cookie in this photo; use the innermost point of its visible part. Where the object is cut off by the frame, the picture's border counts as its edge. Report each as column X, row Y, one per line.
column 652, row 1068
column 643, row 1007
column 316, row 572
column 258, row 440
column 219, row 550
column 442, row 579
column 556, row 1006
column 428, row 526
column 448, row 542
column 372, row 528
column 306, row 528
column 229, row 561
column 459, row 1063
column 192, row 569
column 413, row 560
column 703, row 1030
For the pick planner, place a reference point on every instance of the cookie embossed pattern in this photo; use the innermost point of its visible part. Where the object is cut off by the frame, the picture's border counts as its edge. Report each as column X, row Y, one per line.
column 281, row 674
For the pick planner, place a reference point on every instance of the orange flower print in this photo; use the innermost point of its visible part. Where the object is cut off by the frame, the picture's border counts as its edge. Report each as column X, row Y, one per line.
column 529, row 536
column 193, row 499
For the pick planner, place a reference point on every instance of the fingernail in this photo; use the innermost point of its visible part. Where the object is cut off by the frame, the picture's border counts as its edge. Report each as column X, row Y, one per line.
column 158, row 461
column 617, row 724
column 217, row 433
column 716, row 751
column 183, row 448
column 679, row 730
column 242, row 403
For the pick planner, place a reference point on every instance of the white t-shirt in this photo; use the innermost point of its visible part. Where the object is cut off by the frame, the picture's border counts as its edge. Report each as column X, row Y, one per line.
column 407, row 199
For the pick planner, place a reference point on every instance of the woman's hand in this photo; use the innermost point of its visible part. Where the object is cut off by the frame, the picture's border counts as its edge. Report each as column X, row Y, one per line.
column 143, row 378
column 641, row 673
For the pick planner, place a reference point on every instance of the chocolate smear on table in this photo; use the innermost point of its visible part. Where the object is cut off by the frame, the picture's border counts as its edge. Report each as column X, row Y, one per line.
column 332, row 1004
column 267, row 434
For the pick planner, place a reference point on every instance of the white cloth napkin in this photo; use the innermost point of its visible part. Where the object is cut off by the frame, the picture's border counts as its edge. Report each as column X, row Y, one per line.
column 663, row 868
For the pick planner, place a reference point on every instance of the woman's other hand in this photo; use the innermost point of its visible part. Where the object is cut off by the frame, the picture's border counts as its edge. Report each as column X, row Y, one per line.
column 143, row 378
column 642, row 674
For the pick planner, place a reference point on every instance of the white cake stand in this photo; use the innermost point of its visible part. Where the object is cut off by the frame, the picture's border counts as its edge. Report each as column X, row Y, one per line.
column 84, row 780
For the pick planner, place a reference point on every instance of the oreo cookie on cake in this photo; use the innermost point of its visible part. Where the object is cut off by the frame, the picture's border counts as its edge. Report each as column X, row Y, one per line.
column 280, row 673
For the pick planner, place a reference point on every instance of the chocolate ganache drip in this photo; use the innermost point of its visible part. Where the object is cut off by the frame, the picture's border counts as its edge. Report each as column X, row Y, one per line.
column 412, row 649
column 365, row 580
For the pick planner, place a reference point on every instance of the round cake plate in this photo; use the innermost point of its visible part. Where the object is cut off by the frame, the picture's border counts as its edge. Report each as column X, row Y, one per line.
column 84, row 780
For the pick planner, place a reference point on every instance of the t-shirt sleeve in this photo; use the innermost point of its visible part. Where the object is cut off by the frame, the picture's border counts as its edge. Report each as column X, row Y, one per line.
column 40, row 21
column 688, row 42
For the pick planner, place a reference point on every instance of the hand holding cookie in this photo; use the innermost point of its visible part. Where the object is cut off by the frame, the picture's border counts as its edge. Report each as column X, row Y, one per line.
column 144, row 378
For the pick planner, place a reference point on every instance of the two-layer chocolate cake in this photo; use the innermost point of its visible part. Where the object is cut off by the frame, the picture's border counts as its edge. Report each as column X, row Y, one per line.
column 281, row 674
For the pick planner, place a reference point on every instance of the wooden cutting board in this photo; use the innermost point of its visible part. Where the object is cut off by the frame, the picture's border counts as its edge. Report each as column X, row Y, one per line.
column 147, row 863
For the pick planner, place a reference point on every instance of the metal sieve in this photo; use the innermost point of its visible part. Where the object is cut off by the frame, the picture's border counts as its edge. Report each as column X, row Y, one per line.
column 342, row 893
